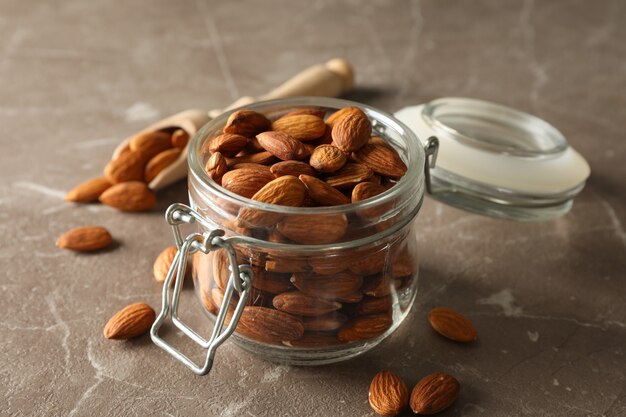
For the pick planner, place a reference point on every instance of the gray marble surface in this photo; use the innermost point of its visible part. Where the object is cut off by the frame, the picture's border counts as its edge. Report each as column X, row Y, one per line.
column 548, row 299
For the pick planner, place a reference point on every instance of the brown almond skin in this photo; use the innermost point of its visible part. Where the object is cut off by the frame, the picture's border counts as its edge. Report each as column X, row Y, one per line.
column 159, row 162
column 327, row 158
column 129, row 166
column 261, row 168
column 434, row 393
column 351, row 132
column 295, row 168
column 282, row 145
column 85, row 239
column 379, row 285
column 246, row 182
column 322, row 193
column 163, row 263
column 313, row 340
column 350, row 175
column 219, row 268
column 228, row 144
column 302, row 127
column 372, row 305
column 452, row 324
column 269, row 325
column 325, row 323
column 313, row 229
column 381, row 159
column 364, row 327
column 308, row 110
column 341, row 113
column 300, row 304
column 283, row 191
column 388, row 394
column 216, row 167
column 132, row 321
column 180, row 138
column 88, row 191
column 272, row 283
column 132, row 196
column 150, row 144
column 262, row 158
column 247, row 123
column 365, row 190
column 327, row 286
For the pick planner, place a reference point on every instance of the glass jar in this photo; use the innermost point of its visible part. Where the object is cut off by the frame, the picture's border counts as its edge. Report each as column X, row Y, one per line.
column 321, row 297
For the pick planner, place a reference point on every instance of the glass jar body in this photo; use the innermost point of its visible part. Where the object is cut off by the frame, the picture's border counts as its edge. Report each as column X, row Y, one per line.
column 313, row 301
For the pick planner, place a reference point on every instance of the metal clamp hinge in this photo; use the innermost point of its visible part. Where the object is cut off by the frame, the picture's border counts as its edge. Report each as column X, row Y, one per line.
column 240, row 280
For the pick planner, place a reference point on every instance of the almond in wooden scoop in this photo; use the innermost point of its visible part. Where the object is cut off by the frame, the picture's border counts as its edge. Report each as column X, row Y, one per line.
column 388, row 394
column 131, row 321
column 129, row 196
column 452, row 324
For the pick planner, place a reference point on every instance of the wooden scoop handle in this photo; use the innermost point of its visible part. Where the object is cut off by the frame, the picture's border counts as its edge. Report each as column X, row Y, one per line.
column 331, row 79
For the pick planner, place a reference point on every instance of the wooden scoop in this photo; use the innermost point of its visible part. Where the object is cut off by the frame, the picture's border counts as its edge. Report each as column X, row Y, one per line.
column 331, row 79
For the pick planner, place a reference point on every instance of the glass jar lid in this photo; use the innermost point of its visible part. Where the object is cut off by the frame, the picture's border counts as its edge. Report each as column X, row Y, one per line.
column 498, row 161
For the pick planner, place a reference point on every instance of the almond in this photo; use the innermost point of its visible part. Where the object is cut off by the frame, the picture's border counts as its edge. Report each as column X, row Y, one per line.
column 327, row 158
column 326, row 323
column 313, row 229
column 388, row 394
column 220, row 268
column 88, row 191
column 351, row 132
column 308, row 110
column 403, row 264
column 434, row 393
column 216, row 167
column 228, row 144
column 301, row 126
column 286, row 265
column 246, row 182
column 262, row 158
column 322, row 193
column 131, row 321
column 269, row 325
column 180, row 138
column 313, row 340
column 247, row 123
column 365, row 190
column 283, row 191
column 372, row 305
column 129, row 196
column 163, row 263
column 294, row 168
column 380, row 285
column 327, row 286
column 369, row 263
column 150, row 144
column 355, row 297
column 300, row 304
column 364, row 327
column 261, row 168
column 272, row 283
column 160, row 162
column 253, row 146
column 452, row 324
column 340, row 114
column 329, row 265
column 129, row 166
column 349, row 176
column 85, row 239
column 381, row 159
column 282, row 145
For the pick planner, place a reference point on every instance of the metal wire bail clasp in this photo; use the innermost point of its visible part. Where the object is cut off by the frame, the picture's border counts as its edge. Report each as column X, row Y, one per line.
column 240, row 280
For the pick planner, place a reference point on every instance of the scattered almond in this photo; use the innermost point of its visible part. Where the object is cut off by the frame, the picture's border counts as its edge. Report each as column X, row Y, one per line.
column 163, row 263
column 452, row 324
column 85, row 239
column 434, row 393
column 388, row 394
column 132, row 321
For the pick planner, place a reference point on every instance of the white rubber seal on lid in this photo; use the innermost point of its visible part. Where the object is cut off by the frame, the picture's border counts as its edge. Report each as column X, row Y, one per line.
column 496, row 146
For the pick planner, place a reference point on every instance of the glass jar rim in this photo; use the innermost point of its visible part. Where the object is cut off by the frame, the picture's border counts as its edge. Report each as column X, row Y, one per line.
column 411, row 180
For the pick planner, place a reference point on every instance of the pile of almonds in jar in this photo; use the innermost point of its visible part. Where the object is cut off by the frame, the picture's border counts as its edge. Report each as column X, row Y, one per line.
column 308, row 300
